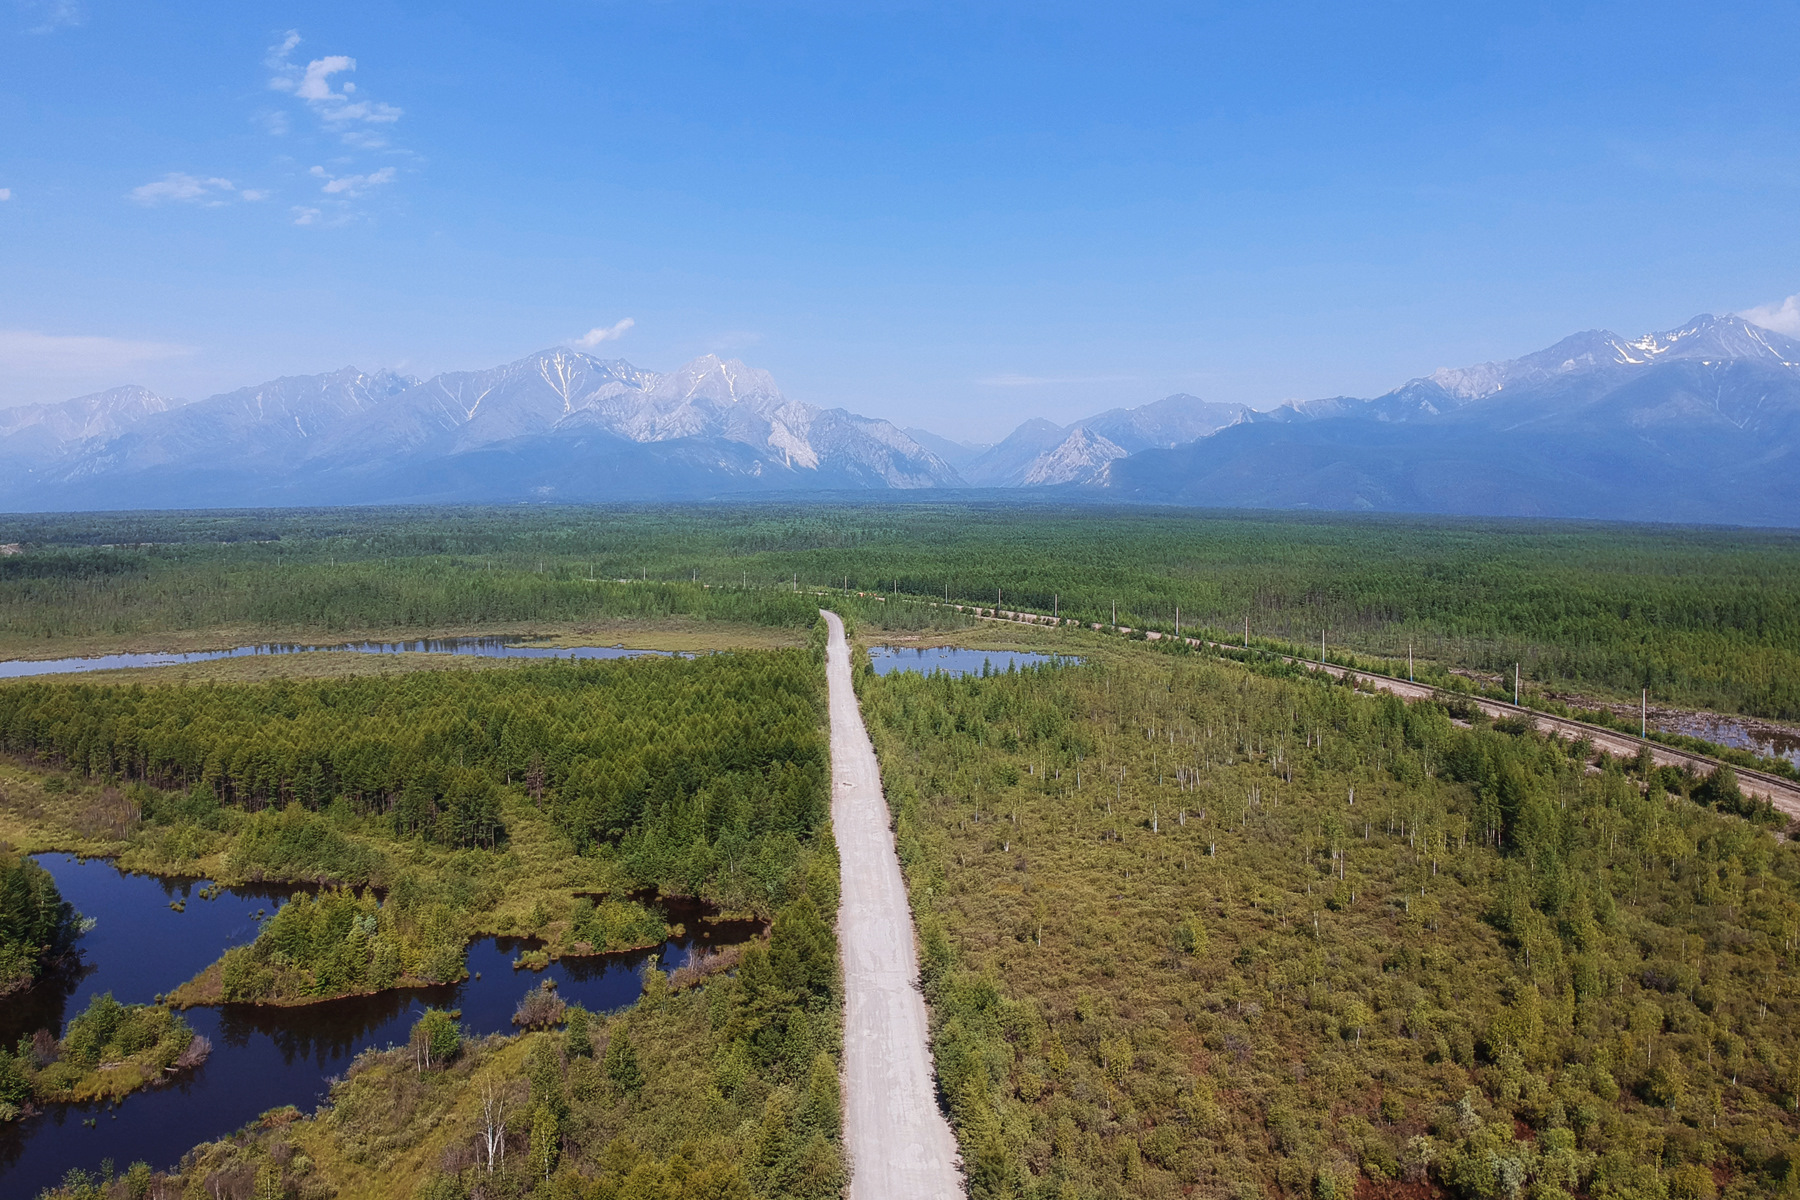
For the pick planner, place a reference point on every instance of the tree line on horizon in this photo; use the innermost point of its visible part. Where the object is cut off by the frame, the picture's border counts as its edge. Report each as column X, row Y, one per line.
column 1699, row 617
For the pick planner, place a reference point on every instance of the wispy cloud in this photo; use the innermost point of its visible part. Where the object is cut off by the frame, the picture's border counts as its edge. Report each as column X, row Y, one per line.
column 353, row 185
column 339, row 107
column 604, row 333
column 733, row 340
column 1782, row 318
column 338, row 110
column 36, row 353
column 5, row 193
column 1007, row 380
column 178, row 187
column 52, row 15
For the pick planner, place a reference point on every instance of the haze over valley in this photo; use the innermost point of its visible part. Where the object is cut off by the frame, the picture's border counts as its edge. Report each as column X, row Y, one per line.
column 1698, row 423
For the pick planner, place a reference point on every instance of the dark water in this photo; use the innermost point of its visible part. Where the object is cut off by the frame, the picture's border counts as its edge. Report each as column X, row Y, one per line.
column 479, row 647
column 956, row 661
column 1770, row 741
column 262, row 1057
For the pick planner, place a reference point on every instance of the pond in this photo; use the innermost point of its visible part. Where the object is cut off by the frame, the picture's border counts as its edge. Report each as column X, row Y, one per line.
column 956, row 661
column 262, row 1057
column 1758, row 737
column 478, row 647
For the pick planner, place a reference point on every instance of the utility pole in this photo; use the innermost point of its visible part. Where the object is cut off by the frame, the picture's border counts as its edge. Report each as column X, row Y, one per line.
column 1246, row 631
column 1056, row 606
column 1321, row 645
column 1515, row 685
column 1115, row 619
column 1409, row 670
column 1178, row 620
column 1644, row 713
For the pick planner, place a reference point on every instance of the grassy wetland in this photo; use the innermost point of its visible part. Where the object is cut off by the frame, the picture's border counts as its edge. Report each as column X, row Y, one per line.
column 1187, row 927
column 552, row 802
column 1706, row 618
column 1189, row 930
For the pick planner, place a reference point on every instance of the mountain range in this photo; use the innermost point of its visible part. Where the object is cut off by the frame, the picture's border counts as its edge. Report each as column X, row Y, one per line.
column 1699, row 423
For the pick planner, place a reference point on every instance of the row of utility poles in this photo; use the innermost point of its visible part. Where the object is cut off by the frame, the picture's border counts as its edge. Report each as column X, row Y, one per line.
column 1056, row 614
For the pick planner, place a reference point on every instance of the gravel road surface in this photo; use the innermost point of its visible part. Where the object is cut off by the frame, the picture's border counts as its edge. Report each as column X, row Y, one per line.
column 900, row 1146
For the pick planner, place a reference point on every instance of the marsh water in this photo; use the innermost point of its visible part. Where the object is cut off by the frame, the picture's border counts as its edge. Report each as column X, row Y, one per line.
column 262, row 1057
column 957, row 661
column 478, row 647
column 1758, row 737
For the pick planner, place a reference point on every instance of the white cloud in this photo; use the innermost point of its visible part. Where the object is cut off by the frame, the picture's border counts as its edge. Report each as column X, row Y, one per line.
column 254, row 194
column 276, row 59
column 5, row 193
column 312, row 83
column 315, row 84
column 1782, row 318
column 25, row 350
column 54, row 14
column 363, row 139
column 324, row 86
column 180, row 187
column 604, row 333
column 353, row 185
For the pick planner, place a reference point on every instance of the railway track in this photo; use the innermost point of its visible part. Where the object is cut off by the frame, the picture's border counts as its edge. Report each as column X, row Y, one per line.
column 1783, row 794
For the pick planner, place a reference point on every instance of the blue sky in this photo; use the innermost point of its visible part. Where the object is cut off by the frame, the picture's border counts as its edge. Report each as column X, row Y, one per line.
column 955, row 216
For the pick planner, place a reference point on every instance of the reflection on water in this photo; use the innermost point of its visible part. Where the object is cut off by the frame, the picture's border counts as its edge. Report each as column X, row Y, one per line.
column 479, row 647
column 956, row 661
column 262, row 1057
column 1770, row 741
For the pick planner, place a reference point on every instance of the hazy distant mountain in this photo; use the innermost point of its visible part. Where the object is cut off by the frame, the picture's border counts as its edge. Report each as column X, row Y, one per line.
column 557, row 424
column 1700, row 423
column 957, row 454
column 1079, row 458
column 36, row 433
column 1040, row 453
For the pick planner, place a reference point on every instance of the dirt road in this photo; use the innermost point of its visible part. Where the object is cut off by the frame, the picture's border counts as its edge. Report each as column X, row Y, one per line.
column 900, row 1146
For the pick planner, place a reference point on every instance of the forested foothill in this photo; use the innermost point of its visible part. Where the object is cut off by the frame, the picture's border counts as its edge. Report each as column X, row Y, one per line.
column 1700, row 617
column 1188, row 929
column 436, row 805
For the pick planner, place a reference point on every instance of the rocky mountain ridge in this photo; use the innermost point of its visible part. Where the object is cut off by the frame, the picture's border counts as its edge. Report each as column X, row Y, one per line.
column 558, row 424
column 1697, row 423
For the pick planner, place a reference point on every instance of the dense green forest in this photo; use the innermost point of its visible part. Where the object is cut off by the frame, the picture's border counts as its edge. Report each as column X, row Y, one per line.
column 1186, row 929
column 685, row 769
column 37, row 926
column 1707, row 617
column 493, row 801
